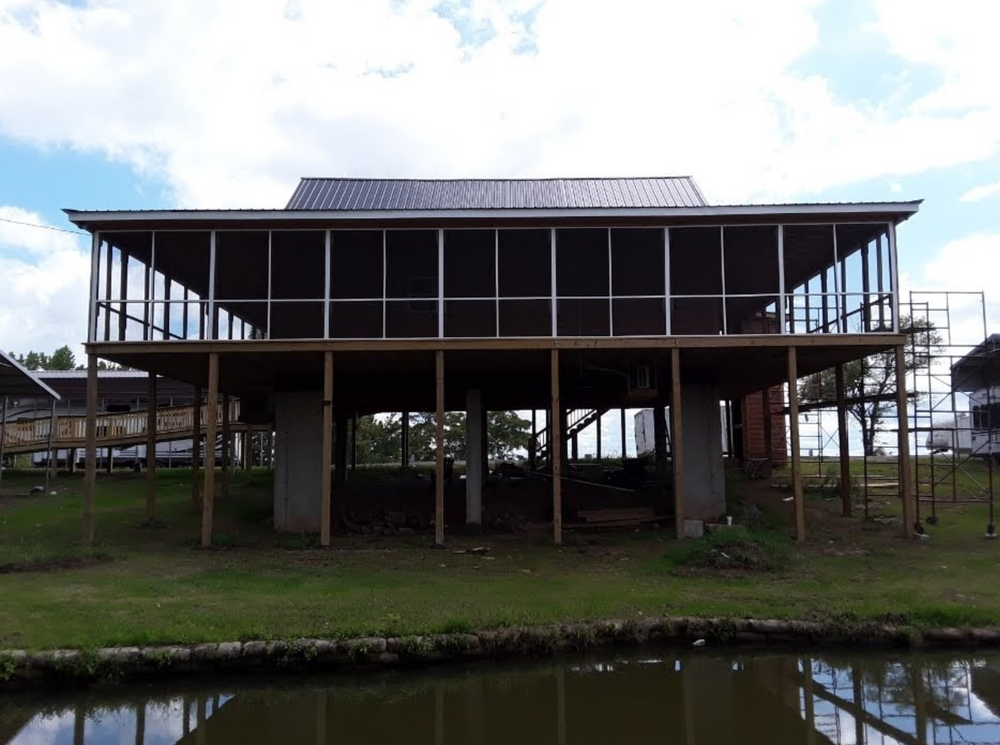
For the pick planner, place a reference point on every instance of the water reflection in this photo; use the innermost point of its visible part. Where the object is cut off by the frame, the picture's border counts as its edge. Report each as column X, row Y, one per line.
column 693, row 699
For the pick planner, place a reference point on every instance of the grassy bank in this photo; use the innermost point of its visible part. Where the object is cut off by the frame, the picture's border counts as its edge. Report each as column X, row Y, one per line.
column 145, row 585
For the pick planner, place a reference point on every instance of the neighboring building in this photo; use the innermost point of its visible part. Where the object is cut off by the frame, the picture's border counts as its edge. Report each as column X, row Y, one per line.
column 392, row 295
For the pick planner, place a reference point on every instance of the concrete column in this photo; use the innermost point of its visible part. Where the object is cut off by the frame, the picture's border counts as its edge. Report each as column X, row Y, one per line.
column 703, row 474
column 473, row 457
column 298, row 472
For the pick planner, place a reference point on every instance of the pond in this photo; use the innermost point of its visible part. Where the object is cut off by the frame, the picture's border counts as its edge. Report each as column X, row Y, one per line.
column 635, row 697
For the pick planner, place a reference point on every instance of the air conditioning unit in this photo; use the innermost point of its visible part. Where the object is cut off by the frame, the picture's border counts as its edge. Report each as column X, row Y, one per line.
column 642, row 378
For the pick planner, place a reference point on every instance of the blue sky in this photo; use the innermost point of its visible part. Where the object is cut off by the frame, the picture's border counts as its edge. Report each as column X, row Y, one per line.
column 143, row 104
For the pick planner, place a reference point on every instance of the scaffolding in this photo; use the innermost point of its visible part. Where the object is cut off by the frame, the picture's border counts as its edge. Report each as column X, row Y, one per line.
column 954, row 370
column 953, row 385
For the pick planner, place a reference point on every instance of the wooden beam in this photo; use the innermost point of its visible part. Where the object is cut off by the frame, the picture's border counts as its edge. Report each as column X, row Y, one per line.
column 903, row 430
column 151, row 448
column 196, row 448
column 555, row 448
column 844, row 445
column 677, row 441
column 109, row 262
column 624, row 441
column 327, row 475
column 869, row 342
column 439, row 469
column 91, row 454
column 248, row 448
column 354, row 442
column 212, row 415
column 793, row 422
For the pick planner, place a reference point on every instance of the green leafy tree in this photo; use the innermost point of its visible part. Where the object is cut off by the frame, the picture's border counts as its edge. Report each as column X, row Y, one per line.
column 62, row 359
column 380, row 438
column 507, row 431
column 870, row 382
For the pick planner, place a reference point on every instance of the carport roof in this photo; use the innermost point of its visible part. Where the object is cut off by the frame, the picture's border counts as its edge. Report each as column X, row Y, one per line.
column 17, row 381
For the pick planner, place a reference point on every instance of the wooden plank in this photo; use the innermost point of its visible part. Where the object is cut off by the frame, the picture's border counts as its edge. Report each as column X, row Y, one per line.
column 212, row 415
column 151, row 448
column 903, row 435
column 439, row 449
column 90, row 477
column 793, row 422
column 677, row 441
column 844, row 445
column 262, row 346
column 327, row 475
column 196, row 449
column 555, row 435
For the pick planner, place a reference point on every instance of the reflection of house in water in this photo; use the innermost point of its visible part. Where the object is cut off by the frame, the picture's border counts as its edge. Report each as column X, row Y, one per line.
column 695, row 700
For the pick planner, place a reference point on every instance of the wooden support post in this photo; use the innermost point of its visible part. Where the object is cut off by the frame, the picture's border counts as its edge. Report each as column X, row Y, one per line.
column 793, row 422
column 624, row 441
column 354, row 442
column 660, row 437
column 677, row 441
column 533, row 442
column 905, row 477
column 109, row 461
column 109, row 265
column 91, row 455
column 227, row 447
column 556, row 447
column 248, row 448
column 151, row 448
column 575, row 451
column 439, row 470
column 598, row 425
column 196, row 448
column 211, row 425
column 844, row 445
column 768, row 418
column 404, row 450
column 327, row 476
column 123, row 296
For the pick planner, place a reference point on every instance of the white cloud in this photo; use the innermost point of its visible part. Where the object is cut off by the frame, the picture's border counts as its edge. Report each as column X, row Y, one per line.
column 960, row 267
column 231, row 105
column 43, row 281
column 978, row 193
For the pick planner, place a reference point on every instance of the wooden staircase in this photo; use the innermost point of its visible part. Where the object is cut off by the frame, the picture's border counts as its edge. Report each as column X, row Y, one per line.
column 577, row 420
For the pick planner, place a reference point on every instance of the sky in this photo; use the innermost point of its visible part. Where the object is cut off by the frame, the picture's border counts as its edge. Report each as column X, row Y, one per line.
column 110, row 104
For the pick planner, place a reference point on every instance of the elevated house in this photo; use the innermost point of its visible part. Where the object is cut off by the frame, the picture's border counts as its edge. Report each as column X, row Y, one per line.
column 559, row 294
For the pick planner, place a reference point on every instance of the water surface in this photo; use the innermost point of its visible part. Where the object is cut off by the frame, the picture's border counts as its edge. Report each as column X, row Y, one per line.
column 650, row 697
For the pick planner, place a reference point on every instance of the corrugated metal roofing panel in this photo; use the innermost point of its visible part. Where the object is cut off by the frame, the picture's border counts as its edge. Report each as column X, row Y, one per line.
column 353, row 195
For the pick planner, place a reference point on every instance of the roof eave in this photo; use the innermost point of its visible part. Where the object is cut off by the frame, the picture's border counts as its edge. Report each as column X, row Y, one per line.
column 900, row 210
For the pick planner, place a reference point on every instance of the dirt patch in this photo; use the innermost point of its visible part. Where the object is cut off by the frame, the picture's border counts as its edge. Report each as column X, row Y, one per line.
column 55, row 565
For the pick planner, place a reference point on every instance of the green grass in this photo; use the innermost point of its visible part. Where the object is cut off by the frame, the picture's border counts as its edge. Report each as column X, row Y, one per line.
column 155, row 586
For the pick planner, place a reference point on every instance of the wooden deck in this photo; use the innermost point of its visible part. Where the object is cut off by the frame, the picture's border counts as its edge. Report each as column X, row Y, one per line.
column 113, row 430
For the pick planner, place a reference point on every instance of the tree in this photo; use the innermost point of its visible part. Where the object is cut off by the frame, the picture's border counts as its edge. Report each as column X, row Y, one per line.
column 62, row 359
column 507, row 431
column 380, row 438
column 870, row 382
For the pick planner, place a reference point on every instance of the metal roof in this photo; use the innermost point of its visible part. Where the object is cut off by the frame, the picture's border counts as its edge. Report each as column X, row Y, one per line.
column 980, row 368
column 362, row 195
column 17, row 381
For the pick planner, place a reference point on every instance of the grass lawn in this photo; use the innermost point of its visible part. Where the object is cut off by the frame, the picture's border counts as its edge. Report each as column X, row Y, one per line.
column 152, row 585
